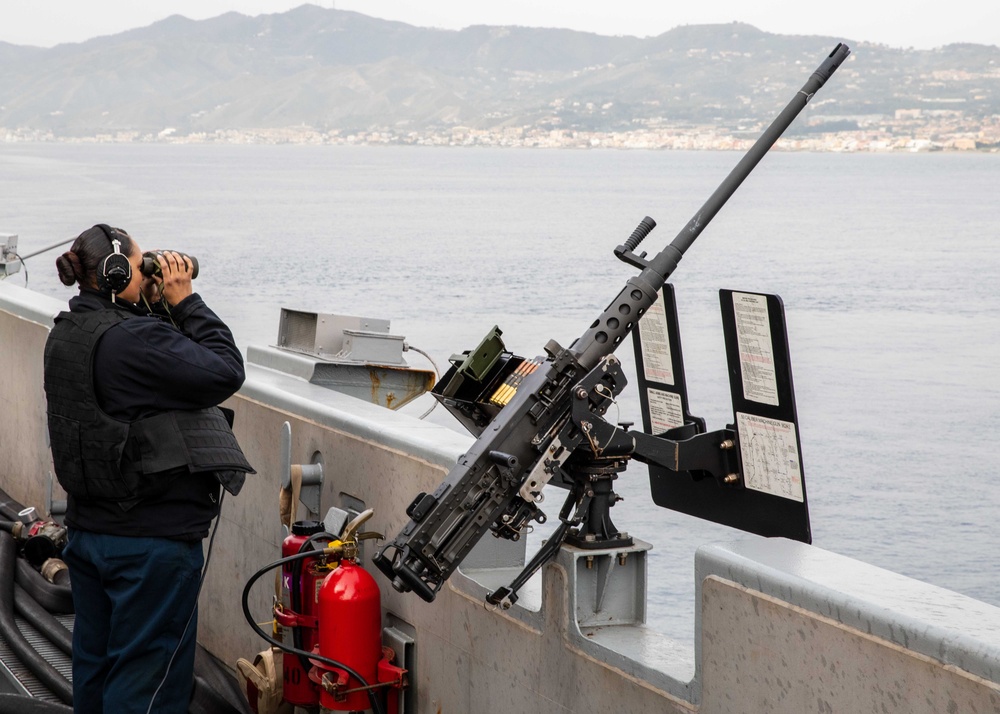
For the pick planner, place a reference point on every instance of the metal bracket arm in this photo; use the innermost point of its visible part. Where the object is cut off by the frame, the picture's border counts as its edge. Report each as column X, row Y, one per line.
column 714, row 452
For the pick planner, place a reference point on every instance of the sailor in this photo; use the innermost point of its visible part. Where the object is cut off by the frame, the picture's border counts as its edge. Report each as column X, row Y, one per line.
column 134, row 374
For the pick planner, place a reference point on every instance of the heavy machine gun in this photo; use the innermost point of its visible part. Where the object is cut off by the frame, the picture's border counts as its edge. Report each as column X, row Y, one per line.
column 542, row 421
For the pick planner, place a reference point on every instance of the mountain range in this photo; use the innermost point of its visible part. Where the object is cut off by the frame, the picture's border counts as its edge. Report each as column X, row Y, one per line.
column 339, row 70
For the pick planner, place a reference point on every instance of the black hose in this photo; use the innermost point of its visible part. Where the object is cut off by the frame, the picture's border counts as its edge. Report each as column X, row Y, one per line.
column 216, row 690
column 376, row 704
column 45, row 672
column 8, row 525
column 26, row 704
column 42, row 620
column 57, row 599
column 204, row 700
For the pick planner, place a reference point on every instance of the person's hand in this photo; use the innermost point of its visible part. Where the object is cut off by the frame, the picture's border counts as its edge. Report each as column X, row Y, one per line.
column 150, row 289
column 175, row 284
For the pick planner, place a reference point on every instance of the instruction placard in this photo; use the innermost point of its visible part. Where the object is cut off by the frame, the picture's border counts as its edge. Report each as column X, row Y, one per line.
column 654, row 340
column 665, row 410
column 753, row 334
column 770, row 452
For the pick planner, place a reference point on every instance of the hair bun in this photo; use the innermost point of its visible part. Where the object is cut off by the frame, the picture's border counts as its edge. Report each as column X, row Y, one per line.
column 69, row 268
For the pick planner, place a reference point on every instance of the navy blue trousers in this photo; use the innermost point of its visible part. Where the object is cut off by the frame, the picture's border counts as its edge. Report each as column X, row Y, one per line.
column 133, row 597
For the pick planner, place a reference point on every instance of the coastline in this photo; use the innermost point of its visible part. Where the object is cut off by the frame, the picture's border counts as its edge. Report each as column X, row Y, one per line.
column 891, row 135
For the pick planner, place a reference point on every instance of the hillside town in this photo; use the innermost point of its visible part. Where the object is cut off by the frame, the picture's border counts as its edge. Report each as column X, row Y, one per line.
column 912, row 130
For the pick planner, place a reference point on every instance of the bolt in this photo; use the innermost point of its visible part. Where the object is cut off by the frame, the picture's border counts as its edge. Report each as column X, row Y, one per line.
column 731, row 478
column 727, row 444
column 581, row 393
column 590, row 562
column 622, row 557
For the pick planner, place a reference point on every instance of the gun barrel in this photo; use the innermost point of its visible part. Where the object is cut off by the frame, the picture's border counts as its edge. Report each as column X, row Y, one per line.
column 728, row 187
column 640, row 292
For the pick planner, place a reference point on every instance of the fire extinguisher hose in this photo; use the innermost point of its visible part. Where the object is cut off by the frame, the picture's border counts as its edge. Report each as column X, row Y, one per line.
column 376, row 705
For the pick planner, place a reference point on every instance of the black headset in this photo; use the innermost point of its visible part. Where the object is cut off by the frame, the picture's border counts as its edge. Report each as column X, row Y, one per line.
column 116, row 270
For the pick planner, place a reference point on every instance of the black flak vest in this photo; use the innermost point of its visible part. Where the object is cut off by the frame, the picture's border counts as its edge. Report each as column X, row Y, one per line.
column 96, row 456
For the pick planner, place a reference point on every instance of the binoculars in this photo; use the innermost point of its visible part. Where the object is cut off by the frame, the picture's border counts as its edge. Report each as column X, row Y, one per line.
column 151, row 265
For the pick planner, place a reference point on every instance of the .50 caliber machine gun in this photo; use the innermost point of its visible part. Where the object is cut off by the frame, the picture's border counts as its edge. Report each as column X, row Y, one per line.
column 542, row 421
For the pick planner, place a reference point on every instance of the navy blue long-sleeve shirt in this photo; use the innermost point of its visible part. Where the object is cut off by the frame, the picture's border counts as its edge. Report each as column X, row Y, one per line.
column 144, row 366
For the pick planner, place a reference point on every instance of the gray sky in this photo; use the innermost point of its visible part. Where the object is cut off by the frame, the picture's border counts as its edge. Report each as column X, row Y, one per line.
column 897, row 23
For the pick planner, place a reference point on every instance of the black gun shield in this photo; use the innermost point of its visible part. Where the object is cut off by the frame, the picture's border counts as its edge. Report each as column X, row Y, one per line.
column 764, row 414
column 767, row 432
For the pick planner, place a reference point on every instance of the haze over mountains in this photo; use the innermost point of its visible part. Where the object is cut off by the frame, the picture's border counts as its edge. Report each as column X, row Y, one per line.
column 340, row 70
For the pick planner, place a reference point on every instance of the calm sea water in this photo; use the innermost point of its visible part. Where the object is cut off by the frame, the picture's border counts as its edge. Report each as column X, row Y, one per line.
column 889, row 267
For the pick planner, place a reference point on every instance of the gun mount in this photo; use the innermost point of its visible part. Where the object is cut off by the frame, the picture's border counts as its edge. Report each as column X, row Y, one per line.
column 541, row 421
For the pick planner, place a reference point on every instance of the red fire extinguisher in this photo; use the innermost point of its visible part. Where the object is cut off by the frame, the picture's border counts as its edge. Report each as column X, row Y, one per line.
column 350, row 632
column 297, row 614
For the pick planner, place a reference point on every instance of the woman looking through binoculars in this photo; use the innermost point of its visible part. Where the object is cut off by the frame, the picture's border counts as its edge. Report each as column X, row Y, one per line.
column 143, row 451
